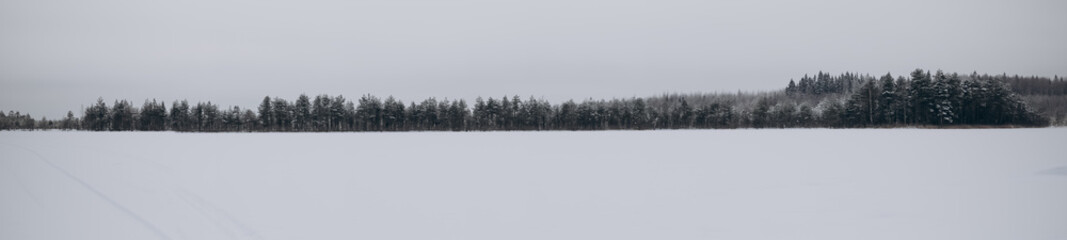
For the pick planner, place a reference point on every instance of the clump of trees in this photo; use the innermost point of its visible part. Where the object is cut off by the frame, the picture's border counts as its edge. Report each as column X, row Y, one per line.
column 846, row 100
column 18, row 121
column 938, row 99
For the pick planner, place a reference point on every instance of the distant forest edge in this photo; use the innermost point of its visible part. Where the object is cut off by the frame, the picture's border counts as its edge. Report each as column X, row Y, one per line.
column 843, row 101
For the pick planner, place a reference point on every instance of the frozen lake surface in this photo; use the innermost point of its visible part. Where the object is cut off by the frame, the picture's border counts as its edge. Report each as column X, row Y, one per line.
column 699, row 184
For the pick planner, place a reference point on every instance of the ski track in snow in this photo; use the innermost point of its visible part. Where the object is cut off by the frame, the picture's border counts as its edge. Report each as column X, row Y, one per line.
column 716, row 184
column 144, row 222
column 219, row 217
column 22, row 185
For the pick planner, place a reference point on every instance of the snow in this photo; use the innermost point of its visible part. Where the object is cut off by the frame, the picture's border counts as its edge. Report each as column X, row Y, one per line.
column 698, row 184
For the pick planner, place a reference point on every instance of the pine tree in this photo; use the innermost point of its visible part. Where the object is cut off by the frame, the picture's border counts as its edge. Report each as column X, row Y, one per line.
column 946, row 97
column 97, row 117
column 249, row 120
column 369, row 110
column 393, row 112
column 320, row 113
column 761, row 113
column 153, row 116
column 231, row 119
column 338, row 113
column 282, row 114
column 492, row 112
column 196, row 113
column 68, row 123
column 122, row 116
column 889, row 101
column 921, row 97
column 266, row 114
column 180, row 118
column 302, row 113
column 861, row 107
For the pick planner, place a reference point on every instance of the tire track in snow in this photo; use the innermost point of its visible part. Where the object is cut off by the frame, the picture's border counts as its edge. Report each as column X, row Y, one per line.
column 148, row 225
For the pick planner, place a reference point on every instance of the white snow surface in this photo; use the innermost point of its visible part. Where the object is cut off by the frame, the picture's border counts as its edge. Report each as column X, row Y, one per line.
column 690, row 184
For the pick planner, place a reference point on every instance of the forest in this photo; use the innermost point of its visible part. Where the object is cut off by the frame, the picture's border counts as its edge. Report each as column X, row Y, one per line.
column 848, row 100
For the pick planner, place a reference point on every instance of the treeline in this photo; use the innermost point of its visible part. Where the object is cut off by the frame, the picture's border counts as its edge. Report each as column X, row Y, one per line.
column 823, row 83
column 847, row 100
column 1031, row 85
column 17, row 120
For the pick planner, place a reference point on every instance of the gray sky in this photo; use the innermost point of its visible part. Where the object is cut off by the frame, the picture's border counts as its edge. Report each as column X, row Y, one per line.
column 59, row 55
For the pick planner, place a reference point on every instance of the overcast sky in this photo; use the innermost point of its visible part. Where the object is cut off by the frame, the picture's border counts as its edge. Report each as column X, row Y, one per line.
column 59, row 55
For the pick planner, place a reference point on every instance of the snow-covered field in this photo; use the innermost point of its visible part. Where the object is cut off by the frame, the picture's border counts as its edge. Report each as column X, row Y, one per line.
column 706, row 184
